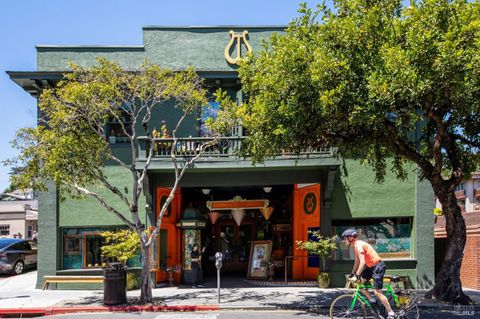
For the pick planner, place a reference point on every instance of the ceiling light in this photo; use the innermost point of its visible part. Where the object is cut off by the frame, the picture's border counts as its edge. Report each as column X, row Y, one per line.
column 206, row 191
column 267, row 189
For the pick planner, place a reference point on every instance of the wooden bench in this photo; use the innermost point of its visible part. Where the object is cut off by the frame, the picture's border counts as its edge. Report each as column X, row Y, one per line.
column 70, row 279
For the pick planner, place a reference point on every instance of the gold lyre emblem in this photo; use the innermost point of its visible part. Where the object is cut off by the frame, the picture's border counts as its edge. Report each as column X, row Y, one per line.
column 239, row 38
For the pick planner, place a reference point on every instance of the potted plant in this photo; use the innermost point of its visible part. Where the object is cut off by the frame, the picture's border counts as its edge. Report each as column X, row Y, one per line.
column 322, row 247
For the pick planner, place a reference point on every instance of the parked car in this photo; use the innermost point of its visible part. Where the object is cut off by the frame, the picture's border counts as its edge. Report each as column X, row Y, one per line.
column 16, row 255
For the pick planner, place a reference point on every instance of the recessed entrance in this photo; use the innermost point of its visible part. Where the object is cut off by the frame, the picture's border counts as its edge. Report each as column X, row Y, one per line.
column 276, row 218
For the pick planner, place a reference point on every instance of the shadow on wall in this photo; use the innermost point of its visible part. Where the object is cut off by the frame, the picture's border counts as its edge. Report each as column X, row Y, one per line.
column 424, row 282
column 341, row 195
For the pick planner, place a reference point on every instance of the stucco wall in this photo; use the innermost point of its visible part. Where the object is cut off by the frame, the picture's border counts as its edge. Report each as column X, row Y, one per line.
column 89, row 212
column 357, row 195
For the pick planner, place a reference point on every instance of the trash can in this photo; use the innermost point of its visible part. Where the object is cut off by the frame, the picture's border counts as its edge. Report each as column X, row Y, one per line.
column 115, row 284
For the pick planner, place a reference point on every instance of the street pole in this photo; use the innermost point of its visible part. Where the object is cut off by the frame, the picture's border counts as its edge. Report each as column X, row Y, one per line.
column 218, row 285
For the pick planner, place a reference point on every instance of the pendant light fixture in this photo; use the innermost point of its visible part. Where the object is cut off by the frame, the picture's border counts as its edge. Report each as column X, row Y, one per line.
column 238, row 214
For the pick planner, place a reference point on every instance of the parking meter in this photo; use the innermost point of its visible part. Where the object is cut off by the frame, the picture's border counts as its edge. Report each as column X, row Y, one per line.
column 218, row 264
column 218, row 260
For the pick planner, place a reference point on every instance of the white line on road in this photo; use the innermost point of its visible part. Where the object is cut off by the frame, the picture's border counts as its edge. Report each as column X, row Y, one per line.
column 187, row 316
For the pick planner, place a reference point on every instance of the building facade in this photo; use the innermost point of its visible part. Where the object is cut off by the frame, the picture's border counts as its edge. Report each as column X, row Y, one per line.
column 226, row 203
column 18, row 215
column 468, row 197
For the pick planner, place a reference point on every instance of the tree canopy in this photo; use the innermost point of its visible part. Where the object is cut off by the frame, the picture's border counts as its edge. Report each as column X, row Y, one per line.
column 70, row 146
column 374, row 77
column 378, row 80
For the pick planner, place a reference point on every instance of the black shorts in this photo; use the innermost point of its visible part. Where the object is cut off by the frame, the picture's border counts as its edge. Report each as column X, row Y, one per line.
column 376, row 272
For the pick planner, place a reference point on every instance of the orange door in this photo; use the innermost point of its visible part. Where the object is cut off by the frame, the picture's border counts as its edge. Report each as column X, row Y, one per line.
column 168, row 253
column 306, row 217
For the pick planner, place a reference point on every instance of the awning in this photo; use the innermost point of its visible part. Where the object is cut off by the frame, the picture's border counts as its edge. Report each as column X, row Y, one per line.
column 31, row 214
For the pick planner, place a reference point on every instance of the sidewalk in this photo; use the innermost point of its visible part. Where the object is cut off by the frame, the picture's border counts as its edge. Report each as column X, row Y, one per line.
column 18, row 293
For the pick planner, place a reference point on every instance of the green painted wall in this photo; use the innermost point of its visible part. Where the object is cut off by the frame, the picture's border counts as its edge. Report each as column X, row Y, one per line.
column 177, row 48
column 357, row 195
column 424, row 253
column 48, row 248
column 201, row 47
column 57, row 58
column 171, row 115
column 88, row 212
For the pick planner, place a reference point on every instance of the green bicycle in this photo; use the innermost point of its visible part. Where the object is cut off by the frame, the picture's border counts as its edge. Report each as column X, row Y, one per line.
column 404, row 303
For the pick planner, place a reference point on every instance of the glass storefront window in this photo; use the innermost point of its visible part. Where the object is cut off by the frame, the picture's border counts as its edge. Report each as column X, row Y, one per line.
column 92, row 254
column 82, row 249
column 391, row 237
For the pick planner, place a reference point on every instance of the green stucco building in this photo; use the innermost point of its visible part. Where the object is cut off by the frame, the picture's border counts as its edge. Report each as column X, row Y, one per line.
column 307, row 191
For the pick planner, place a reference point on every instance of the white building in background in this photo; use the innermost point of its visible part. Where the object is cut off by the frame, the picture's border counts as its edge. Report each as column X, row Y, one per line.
column 18, row 214
column 468, row 194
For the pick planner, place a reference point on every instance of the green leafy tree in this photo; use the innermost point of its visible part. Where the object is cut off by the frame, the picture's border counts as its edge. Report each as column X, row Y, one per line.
column 120, row 245
column 69, row 146
column 379, row 81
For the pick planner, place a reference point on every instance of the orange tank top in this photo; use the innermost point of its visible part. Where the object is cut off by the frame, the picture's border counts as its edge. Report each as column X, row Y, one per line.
column 371, row 256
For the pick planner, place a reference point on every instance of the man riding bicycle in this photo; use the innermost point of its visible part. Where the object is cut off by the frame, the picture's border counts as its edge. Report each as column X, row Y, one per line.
column 368, row 265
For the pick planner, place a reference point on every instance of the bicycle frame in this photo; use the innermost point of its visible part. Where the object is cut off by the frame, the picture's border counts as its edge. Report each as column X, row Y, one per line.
column 358, row 295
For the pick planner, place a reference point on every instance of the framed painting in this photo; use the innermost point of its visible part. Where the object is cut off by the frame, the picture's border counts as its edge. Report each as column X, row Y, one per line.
column 260, row 254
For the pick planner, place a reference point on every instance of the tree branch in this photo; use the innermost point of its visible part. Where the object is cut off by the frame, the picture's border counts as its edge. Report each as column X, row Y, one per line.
column 103, row 203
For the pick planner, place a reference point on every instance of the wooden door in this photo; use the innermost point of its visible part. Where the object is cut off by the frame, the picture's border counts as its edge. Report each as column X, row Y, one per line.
column 168, row 246
column 234, row 243
column 306, row 217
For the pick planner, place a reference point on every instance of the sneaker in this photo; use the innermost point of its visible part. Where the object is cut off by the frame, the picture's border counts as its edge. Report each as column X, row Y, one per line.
column 201, row 286
column 194, row 286
column 392, row 316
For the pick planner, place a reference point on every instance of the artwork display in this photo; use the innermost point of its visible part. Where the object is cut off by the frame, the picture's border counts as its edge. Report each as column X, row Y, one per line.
column 391, row 238
column 190, row 237
column 260, row 254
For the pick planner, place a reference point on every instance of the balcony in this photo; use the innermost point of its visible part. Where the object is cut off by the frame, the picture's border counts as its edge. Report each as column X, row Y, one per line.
column 225, row 149
column 460, row 194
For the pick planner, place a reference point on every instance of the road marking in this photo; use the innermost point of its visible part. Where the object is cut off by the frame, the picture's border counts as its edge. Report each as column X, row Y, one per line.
column 184, row 315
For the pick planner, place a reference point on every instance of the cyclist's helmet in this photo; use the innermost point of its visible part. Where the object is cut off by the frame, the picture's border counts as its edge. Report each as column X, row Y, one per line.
column 350, row 233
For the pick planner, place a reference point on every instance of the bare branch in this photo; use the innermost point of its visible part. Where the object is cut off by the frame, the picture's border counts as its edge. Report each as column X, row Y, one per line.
column 113, row 189
column 103, row 203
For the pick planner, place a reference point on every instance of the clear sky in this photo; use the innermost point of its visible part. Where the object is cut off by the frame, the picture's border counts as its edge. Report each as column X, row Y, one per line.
column 26, row 23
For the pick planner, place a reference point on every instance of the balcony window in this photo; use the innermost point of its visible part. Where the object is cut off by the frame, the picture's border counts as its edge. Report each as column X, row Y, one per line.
column 211, row 111
column 116, row 134
column 115, row 131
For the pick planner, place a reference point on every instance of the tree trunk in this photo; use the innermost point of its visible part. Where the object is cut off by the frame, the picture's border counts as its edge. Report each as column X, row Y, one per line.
column 146, row 280
column 448, row 286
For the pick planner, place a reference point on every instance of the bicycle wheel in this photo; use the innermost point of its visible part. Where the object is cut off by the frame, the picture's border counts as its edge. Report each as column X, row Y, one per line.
column 342, row 308
column 409, row 307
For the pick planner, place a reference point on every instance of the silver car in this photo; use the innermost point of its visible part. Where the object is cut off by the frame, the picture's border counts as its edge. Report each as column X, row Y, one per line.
column 16, row 255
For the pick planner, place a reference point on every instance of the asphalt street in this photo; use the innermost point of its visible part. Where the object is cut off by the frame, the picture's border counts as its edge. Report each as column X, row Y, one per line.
column 431, row 314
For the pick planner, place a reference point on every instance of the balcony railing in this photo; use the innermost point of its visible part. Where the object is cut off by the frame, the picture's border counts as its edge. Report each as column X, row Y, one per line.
column 227, row 146
column 460, row 194
column 476, row 192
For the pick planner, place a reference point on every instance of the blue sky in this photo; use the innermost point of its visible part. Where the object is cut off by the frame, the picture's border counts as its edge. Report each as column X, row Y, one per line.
column 26, row 23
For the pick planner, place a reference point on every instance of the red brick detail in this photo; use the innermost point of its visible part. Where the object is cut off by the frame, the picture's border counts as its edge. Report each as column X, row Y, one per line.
column 470, row 271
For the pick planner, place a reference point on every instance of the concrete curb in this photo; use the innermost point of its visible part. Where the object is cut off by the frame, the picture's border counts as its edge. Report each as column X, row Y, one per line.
column 44, row 311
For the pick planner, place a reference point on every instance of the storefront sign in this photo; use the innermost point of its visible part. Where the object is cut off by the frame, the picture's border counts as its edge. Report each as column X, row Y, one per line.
column 239, row 38
column 310, row 203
